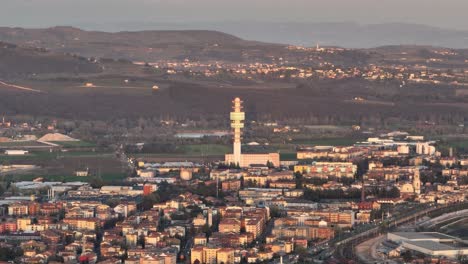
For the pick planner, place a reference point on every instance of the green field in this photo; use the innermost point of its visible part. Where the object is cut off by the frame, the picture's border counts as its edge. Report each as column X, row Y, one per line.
column 61, row 166
column 194, row 150
column 287, row 152
column 21, row 144
column 74, row 144
column 88, row 154
column 326, row 141
column 459, row 144
column 106, row 177
column 288, row 156
column 45, row 155
column 205, row 150
column 64, row 144
column 35, row 156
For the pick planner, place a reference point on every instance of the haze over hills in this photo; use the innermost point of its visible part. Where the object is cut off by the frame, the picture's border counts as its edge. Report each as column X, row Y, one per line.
column 350, row 24
column 343, row 34
column 353, row 35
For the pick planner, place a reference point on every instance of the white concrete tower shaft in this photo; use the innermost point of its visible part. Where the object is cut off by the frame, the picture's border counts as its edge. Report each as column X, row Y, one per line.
column 417, row 181
column 237, row 124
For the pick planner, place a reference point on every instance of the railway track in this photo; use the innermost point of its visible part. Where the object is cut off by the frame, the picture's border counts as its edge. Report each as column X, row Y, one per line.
column 345, row 249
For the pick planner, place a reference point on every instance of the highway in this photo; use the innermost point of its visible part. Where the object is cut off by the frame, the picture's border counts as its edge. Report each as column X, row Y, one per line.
column 19, row 87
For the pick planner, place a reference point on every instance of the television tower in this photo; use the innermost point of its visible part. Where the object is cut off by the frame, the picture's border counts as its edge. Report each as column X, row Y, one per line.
column 237, row 123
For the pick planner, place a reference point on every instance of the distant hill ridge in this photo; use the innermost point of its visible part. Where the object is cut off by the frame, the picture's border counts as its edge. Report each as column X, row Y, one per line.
column 138, row 45
column 63, row 33
column 21, row 61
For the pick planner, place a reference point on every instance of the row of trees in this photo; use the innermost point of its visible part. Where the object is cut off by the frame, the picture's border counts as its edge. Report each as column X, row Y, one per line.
column 351, row 193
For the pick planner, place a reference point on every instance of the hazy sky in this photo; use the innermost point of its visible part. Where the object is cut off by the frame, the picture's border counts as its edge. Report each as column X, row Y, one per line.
column 106, row 14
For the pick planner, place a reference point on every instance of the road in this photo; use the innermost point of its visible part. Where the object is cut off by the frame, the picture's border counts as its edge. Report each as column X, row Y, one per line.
column 445, row 218
column 367, row 251
column 268, row 229
column 20, row 87
column 186, row 250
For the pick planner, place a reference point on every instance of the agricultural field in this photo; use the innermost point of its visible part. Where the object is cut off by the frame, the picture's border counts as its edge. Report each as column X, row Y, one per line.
column 74, row 144
column 61, row 166
column 348, row 141
column 107, row 177
column 206, row 149
column 288, row 156
column 46, row 155
column 30, row 157
column 190, row 150
column 458, row 143
column 19, row 144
